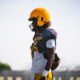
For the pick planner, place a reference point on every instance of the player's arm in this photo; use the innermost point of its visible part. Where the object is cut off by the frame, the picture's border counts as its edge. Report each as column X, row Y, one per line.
column 51, row 54
column 50, row 44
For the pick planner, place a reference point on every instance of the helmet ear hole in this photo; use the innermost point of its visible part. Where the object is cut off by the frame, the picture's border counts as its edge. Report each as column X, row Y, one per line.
column 41, row 18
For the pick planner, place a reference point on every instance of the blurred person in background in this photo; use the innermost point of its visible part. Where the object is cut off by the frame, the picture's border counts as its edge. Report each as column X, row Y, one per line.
column 44, row 58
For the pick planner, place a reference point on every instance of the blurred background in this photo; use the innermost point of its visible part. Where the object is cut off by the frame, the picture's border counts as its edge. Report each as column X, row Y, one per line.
column 16, row 37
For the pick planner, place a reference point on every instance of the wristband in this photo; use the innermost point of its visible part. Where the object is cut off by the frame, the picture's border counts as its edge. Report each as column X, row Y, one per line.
column 45, row 72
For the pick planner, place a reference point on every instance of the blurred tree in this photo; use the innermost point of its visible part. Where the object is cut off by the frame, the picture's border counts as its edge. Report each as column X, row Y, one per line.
column 4, row 66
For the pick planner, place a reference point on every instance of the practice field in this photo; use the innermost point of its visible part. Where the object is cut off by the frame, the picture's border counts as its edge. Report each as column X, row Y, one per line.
column 23, row 75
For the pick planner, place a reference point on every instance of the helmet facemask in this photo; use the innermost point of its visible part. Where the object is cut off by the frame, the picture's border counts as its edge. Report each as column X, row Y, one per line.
column 33, row 26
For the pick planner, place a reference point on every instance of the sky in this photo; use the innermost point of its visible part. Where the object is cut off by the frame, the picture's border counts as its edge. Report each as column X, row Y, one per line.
column 16, row 37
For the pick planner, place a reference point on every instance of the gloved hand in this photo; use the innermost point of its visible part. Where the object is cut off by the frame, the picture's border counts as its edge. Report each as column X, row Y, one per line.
column 56, row 62
column 43, row 78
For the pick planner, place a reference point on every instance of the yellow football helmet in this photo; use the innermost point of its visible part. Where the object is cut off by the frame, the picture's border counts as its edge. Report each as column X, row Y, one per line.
column 42, row 16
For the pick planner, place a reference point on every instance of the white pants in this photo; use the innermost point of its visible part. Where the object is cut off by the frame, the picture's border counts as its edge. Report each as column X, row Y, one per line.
column 38, row 64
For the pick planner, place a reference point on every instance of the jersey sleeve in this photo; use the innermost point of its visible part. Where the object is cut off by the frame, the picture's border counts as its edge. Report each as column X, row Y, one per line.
column 50, row 43
column 53, row 33
column 51, row 38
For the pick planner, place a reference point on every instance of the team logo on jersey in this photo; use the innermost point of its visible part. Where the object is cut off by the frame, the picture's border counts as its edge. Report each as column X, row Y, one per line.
column 37, row 38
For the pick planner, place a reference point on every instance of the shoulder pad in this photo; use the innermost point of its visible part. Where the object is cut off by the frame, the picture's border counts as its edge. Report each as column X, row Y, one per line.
column 53, row 32
column 50, row 32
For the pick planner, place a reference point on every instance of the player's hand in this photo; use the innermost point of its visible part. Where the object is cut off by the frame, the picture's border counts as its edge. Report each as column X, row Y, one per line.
column 42, row 78
column 56, row 62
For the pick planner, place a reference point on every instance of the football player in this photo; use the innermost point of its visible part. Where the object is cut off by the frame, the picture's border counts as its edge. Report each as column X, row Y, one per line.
column 44, row 59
